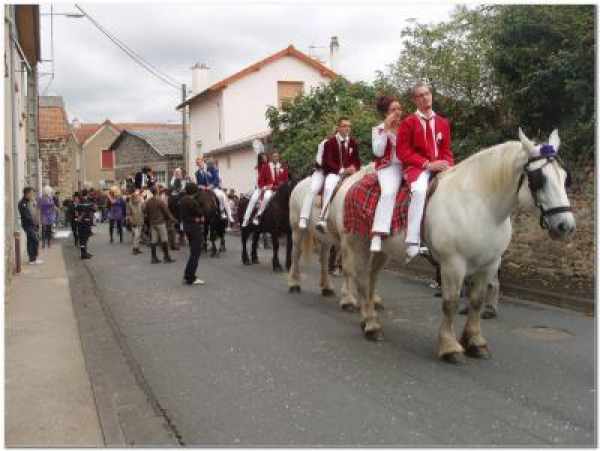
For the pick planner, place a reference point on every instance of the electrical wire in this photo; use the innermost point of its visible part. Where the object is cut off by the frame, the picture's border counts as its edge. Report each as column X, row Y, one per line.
column 132, row 54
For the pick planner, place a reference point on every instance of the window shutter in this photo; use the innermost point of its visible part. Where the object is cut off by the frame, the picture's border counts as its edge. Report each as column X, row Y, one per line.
column 107, row 159
column 53, row 171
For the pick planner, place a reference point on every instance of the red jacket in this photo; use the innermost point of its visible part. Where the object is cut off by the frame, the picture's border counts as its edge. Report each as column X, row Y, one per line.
column 280, row 176
column 265, row 179
column 412, row 150
column 331, row 163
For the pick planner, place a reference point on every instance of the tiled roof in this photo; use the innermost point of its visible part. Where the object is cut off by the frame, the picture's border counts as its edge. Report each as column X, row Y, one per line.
column 243, row 143
column 288, row 51
column 165, row 140
column 85, row 130
column 53, row 123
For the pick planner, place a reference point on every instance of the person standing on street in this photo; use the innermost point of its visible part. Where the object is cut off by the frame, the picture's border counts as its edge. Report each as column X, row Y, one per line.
column 84, row 214
column 116, row 212
column 157, row 214
column 69, row 206
column 30, row 224
column 135, row 218
column 191, row 214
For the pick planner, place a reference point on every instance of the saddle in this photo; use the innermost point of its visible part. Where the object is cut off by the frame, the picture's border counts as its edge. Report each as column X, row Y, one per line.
column 361, row 201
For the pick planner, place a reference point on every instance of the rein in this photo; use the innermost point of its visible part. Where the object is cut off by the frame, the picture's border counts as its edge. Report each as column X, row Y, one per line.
column 536, row 180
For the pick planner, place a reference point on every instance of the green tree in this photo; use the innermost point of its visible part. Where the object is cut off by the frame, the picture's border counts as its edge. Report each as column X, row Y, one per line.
column 301, row 125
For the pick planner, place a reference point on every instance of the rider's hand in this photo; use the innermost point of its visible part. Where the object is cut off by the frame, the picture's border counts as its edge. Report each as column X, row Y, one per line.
column 390, row 121
column 438, row 166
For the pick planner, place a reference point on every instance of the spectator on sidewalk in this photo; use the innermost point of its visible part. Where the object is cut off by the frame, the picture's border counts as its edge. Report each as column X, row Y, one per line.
column 48, row 215
column 191, row 217
column 30, row 223
column 157, row 214
column 135, row 218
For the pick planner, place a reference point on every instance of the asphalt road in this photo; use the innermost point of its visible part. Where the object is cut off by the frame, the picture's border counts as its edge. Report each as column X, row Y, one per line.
column 240, row 361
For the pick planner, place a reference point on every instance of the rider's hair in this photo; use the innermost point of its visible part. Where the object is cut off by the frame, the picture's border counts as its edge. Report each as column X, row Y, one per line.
column 383, row 104
column 342, row 118
column 419, row 84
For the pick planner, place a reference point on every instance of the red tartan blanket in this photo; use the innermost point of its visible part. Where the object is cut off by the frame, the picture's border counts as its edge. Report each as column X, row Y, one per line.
column 361, row 201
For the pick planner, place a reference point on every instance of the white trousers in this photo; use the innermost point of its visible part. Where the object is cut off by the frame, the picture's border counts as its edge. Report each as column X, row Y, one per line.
column 390, row 179
column 418, row 191
column 223, row 201
column 252, row 203
column 316, row 183
column 331, row 182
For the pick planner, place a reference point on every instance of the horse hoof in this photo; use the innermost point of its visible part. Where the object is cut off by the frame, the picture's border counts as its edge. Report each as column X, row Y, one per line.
column 455, row 358
column 372, row 334
column 255, row 261
column 478, row 352
column 327, row 292
column 350, row 308
column 295, row 289
column 489, row 314
column 277, row 269
column 379, row 306
column 246, row 262
column 463, row 311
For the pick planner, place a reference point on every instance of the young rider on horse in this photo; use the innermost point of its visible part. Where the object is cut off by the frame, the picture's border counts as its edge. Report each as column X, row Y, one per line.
column 423, row 149
column 279, row 171
column 265, row 184
column 214, row 183
column 389, row 168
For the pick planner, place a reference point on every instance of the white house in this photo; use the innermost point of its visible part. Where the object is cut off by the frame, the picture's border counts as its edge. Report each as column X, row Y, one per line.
column 227, row 116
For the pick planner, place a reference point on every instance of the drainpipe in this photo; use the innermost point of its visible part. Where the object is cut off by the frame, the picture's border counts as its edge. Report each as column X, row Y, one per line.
column 15, row 153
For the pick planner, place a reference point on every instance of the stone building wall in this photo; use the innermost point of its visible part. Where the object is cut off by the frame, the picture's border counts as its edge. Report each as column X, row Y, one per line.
column 59, row 165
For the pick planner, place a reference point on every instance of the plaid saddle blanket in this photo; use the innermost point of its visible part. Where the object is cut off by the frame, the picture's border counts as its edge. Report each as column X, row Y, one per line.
column 361, row 202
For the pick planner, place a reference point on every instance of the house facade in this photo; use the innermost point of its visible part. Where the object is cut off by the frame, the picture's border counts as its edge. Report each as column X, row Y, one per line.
column 99, row 159
column 227, row 116
column 160, row 149
column 60, row 152
column 21, row 152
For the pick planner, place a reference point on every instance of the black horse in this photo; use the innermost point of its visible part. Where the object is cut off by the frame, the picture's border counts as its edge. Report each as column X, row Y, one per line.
column 214, row 224
column 275, row 221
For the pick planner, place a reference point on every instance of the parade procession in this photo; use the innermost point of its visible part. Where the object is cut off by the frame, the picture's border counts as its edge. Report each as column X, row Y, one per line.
column 429, row 175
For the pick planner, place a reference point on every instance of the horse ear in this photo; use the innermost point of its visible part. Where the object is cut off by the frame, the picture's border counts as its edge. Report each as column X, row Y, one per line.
column 526, row 142
column 554, row 140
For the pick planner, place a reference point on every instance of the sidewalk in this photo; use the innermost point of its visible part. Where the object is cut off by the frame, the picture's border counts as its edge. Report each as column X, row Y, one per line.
column 48, row 396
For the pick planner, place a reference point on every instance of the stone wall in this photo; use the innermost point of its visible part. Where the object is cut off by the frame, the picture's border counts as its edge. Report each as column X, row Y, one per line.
column 59, row 155
column 132, row 153
column 533, row 258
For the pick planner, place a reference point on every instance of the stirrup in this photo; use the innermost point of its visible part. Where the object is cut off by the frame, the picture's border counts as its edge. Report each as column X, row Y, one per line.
column 256, row 220
column 376, row 243
column 303, row 223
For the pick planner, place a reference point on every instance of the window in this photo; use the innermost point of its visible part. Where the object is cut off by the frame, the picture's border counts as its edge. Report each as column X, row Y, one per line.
column 288, row 90
column 108, row 159
column 161, row 177
column 53, row 171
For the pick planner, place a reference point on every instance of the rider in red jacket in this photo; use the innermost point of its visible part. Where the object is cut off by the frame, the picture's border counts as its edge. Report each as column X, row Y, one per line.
column 265, row 184
column 424, row 148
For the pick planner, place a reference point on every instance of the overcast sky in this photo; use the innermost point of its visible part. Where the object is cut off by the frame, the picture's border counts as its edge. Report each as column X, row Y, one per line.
column 98, row 81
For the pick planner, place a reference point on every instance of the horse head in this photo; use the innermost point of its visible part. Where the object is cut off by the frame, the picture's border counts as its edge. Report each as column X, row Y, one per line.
column 547, row 183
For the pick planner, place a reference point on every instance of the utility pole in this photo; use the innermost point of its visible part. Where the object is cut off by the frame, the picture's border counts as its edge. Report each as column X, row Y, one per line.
column 184, row 131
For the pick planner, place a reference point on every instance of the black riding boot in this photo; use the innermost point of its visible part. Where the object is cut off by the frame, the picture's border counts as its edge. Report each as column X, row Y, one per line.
column 166, row 257
column 154, row 257
column 84, row 253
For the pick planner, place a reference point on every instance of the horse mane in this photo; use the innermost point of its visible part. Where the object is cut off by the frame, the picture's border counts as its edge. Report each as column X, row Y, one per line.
column 490, row 170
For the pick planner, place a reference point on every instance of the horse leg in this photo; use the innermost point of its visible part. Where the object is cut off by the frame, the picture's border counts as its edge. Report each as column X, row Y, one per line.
column 472, row 340
column 255, row 238
column 245, row 259
column 222, row 236
column 276, row 265
column 326, row 288
column 490, row 304
column 294, row 274
column 370, row 322
column 348, row 301
column 288, row 250
column 378, row 260
column 449, row 349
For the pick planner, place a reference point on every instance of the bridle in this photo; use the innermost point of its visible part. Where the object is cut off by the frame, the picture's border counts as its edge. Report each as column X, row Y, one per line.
column 536, row 181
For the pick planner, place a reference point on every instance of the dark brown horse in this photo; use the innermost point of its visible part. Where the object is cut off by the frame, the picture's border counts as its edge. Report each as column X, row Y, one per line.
column 275, row 221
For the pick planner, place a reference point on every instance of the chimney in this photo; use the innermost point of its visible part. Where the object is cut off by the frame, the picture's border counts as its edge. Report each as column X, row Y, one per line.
column 75, row 123
column 334, row 50
column 200, row 77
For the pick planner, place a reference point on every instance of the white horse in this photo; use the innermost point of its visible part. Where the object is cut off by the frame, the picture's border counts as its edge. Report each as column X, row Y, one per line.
column 303, row 240
column 467, row 228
